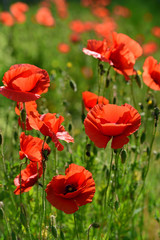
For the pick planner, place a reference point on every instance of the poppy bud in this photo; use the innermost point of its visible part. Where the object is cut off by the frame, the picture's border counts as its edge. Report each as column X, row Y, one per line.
column 148, row 151
column 123, row 155
column 116, row 204
column 73, row 85
column 23, row 115
column 45, row 154
column 141, row 106
column 107, row 81
column 70, row 127
column 138, row 80
column 15, row 136
column 1, row 139
column 1, row 204
column 95, row 225
column 143, row 137
column 156, row 115
column 101, row 69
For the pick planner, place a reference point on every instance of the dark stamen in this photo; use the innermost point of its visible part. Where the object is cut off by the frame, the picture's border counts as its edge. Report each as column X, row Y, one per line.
column 69, row 188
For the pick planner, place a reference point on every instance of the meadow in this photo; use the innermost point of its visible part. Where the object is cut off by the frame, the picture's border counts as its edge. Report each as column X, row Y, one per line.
column 85, row 137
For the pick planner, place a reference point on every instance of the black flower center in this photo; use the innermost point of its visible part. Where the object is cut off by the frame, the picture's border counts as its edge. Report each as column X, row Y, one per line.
column 69, row 188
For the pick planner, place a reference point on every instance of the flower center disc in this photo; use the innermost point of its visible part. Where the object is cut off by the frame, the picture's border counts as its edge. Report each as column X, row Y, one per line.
column 69, row 188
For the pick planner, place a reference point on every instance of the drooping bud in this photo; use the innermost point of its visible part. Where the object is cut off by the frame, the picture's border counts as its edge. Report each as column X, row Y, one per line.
column 123, row 155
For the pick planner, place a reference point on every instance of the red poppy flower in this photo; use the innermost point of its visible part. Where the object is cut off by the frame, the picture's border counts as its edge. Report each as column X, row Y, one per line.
column 98, row 49
column 75, row 37
column 91, row 99
column 18, row 9
column 87, row 72
column 105, row 28
column 29, row 176
column 19, row 6
column 6, row 18
column 50, row 126
column 124, row 53
column 122, row 11
column 63, row 48
column 77, row 26
column 95, row 3
column 100, row 12
column 149, row 48
column 156, row 31
column 151, row 74
column 121, row 53
column 105, row 122
column 24, row 83
column 70, row 191
column 44, row 17
column 29, row 107
column 61, row 6
column 31, row 148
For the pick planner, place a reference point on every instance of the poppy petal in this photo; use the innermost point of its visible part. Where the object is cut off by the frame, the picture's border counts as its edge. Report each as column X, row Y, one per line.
column 18, row 96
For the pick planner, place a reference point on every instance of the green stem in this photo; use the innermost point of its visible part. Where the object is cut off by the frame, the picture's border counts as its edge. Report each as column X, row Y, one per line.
column 116, row 168
column 109, row 177
column 43, row 193
column 132, row 94
column 75, row 226
column 55, row 159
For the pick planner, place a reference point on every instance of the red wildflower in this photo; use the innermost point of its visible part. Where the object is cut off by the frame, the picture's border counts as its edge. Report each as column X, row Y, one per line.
column 63, row 48
column 24, row 83
column 77, row 26
column 50, row 126
column 6, row 18
column 156, row 31
column 44, row 17
column 18, row 9
column 91, row 99
column 61, row 6
column 70, row 191
column 124, row 53
column 28, row 107
column 122, row 11
column 87, row 72
column 88, row 26
column 95, row 3
column 105, row 122
column 100, row 12
column 151, row 74
column 149, row 48
column 29, row 176
column 98, row 49
column 121, row 54
column 75, row 37
column 105, row 28
column 31, row 148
